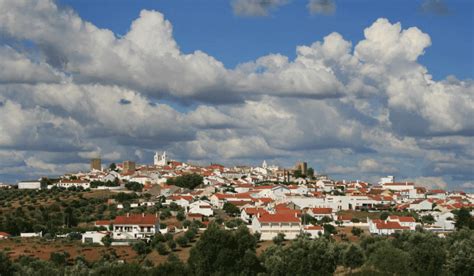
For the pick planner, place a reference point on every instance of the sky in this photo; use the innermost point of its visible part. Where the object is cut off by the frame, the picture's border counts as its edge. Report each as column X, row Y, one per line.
column 358, row 89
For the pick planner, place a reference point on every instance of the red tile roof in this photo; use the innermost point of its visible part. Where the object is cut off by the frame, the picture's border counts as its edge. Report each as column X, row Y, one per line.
column 136, row 219
column 103, row 222
column 278, row 217
column 390, row 225
column 321, row 211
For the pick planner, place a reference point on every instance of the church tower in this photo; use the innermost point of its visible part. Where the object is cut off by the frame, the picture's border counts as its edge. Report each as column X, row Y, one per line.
column 160, row 159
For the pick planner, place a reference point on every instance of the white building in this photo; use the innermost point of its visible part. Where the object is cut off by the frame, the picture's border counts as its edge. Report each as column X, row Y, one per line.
column 94, row 237
column 315, row 231
column 201, row 207
column 269, row 225
column 29, row 185
column 160, row 160
column 67, row 183
column 136, row 226
column 381, row 227
column 387, row 179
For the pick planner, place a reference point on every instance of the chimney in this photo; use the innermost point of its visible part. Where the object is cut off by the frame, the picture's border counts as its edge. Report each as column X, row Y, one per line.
column 296, row 215
column 143, row 215
column 128, row 215
column 156, row 214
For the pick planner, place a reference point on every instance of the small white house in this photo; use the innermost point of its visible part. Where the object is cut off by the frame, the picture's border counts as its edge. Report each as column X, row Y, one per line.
column 201, row 207
column 94, row 237
column 29, row 185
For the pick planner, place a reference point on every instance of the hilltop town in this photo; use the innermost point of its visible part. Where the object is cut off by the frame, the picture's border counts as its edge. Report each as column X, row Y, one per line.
column 269, row 199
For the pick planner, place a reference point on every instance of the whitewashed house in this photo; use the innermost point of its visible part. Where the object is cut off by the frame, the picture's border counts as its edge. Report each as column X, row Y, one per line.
column 269, row 225
column 135, row 226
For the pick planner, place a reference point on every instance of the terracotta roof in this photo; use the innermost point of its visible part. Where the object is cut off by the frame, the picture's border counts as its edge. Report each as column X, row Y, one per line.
column 4, row 234
column 402, row 219
column 137, row 219
column 390, row 225
column 321, row 211
column 344, row 217
column 278, row 217
column 103, row 222
column 255, row 210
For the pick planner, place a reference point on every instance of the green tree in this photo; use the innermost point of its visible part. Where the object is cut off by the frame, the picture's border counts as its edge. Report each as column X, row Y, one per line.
column 221, row 252
column 59, row 258
column 173, row 266
column 231, row 209
column 6, row 266
column 134, row 186
column 463, row 218
column 384, row 215
column 428, row 219
column 356, row 231
column 140, row 247
column 106, row 240
column 279, row 239
column 189, row 181
column 113, row 166
column 161, row 248
column 384, row 256
column 353, row 257
column 301, row 257
column 171, row 244
column 180, row 216
column 182, row 241
column 460, row 253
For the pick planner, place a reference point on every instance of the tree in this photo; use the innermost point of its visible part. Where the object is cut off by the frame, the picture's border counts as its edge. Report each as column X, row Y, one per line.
column 189, row 181
column 171, row 244
column 6, row 266
column 301, row 257
column 59, row 258
column 384, row 215
column 113, row 166
column 106, row 240
column 182, row 241
column 173, row 266
column 222, row 252
column 140, row 247
column 356, row 231
column 428, row 219
column 180, row 216
column 161, row 248
column 134, row 186
column 460, row 257
column 390, row 260
column 279, row 239
column 329, row 229
column 231, row 209
column 353, row 257
column 463, row 218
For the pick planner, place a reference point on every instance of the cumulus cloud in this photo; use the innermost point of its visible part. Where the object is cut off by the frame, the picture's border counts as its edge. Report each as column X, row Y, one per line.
column 321, row 6
column 83, row 92
column 256, row 7
column 428, row 182
column 438, row 7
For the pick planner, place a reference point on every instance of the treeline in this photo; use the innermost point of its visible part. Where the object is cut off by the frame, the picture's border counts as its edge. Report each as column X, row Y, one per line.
column 189, row 181
column 223, row 252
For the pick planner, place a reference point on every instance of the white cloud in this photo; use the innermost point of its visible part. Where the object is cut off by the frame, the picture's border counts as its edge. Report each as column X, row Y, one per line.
column 428, row 182
column 321, row 6
column 256, row 7
column 84, row 91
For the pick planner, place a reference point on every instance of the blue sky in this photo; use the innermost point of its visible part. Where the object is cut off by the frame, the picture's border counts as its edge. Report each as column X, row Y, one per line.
column 211, row 26
column 339, row 84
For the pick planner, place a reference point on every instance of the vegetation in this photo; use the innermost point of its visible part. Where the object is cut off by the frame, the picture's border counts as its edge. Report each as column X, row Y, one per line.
column 189, row 181
column 231, row 209
column 134, row 186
